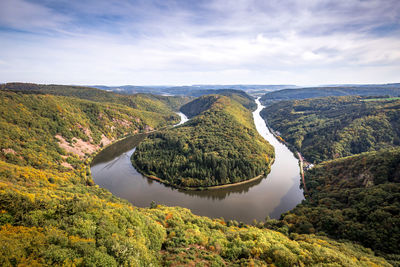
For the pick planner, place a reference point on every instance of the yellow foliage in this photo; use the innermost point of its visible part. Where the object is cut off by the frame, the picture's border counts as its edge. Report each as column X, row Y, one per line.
column 14, row 242
column 77, row 239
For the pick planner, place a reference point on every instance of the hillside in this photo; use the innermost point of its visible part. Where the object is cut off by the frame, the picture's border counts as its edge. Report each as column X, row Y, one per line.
column 52, row 219
column 238, row 95
column 317, row 92
column 46, row 131
column 220, row 145
column 334, row 127
column 355, row 198
column 144, row 102
column 198, row 106
column 51, row 216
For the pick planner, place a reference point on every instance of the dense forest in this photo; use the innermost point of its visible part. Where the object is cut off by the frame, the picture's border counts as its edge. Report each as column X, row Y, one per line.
column 317, row 92
column 334, row 127
column 220, row 145
column 53, row 216
column 355, row 198
column 203, row 103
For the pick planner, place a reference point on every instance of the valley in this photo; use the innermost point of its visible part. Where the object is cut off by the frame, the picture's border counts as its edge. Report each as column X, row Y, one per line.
column 270, row 195
column 53, row 211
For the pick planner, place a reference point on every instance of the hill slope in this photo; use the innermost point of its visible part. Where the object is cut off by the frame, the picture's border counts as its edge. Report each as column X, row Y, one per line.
column 52, row 219
column 238, row 95
column 355, row 198
column 143, row 102
column 40, row 130
column 220, row 145
column 334, row 127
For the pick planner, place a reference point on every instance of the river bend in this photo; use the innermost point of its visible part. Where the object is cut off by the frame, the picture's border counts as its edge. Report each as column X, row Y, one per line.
column 269, row 196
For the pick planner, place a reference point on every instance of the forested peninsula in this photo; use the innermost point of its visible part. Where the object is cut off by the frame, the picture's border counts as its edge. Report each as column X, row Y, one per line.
column 218, row 146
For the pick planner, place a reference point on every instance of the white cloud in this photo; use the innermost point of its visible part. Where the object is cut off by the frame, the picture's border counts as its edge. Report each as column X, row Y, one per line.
column 242, row 42
column 24, row 15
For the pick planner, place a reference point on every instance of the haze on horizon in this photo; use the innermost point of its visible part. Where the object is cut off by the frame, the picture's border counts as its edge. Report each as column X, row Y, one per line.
column 200, row 42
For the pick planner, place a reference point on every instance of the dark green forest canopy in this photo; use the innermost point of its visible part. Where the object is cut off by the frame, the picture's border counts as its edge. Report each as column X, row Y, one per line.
column 220, row 145
column 334, row 127
column 355, row 198
column 317, row 92
column 203, row 103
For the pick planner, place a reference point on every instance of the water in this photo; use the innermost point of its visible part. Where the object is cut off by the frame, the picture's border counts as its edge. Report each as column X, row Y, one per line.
column 183, row 119
column 271, row 195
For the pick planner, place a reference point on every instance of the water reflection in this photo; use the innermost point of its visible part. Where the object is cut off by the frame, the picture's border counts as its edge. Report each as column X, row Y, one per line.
column 223, row 192
column 113, row 152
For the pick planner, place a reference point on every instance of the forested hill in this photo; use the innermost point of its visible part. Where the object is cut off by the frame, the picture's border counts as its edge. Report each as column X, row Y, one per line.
column 203, row 103
column 241, row 97
column 144, row 102
column 198, row 105
column 47, row 131
column 316, row 92
column 52, row 215
column 334, row 127
column 355, row 198
column 220, row 145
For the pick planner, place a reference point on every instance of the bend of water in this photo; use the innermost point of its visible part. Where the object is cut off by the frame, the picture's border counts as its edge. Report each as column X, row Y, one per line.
column 272, row 195
column 183, row 119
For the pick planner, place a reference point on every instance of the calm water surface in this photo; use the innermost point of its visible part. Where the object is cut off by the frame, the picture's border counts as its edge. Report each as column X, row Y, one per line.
column 272, row 195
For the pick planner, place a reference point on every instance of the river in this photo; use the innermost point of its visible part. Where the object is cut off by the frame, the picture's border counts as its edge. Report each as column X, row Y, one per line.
column 269, row 196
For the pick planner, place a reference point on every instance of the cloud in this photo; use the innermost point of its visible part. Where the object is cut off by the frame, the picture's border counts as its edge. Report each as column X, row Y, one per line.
column 218, row 41
column 23, row 15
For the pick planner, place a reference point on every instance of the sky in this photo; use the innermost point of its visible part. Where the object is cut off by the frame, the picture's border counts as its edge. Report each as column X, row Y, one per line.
column 183, row 42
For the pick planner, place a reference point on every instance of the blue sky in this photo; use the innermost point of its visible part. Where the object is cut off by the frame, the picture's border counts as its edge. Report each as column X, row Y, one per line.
column 307, row 42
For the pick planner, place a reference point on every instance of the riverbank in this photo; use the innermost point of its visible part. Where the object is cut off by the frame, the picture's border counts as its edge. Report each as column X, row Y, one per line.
column 302, row 171
column 205, row 188
column 295, row 152
column 89, row 159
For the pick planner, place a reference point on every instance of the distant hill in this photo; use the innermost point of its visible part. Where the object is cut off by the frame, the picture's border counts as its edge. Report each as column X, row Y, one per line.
column 132, row 89
column 315, row 92
column 190, row 90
